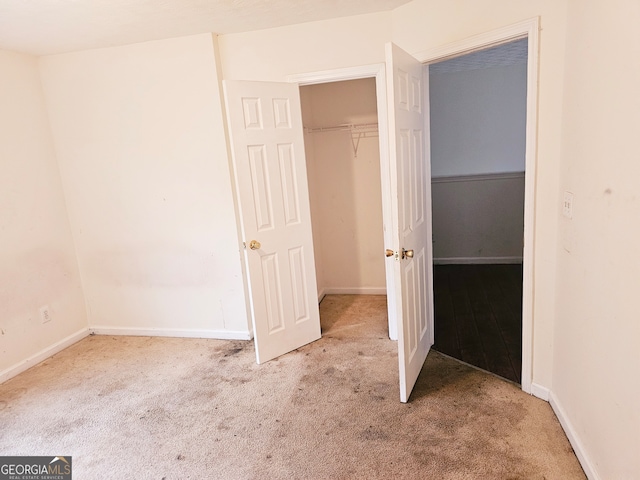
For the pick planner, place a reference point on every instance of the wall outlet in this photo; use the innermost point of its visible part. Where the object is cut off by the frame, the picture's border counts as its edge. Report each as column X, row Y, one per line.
column 567, row 205
column 45, row 314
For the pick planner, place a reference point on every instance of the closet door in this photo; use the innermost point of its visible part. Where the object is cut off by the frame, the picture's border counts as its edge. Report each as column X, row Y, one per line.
column 271, row 182
column 411, row 194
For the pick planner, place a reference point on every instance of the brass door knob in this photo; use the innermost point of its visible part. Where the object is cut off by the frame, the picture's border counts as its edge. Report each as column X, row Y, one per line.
column 254, row 245
column 389, row 253
column 407, row 253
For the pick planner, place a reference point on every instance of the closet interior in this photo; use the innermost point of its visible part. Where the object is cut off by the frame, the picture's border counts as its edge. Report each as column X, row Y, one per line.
column 343, row 169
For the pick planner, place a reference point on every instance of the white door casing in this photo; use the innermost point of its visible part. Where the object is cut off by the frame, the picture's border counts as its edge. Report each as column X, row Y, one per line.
column 271, row 184
column 411, row 196
column 377, row 71
column 531, row 30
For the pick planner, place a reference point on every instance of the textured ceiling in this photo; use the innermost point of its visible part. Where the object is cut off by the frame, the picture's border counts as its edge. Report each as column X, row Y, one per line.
column 43, row 27
column 511, row 53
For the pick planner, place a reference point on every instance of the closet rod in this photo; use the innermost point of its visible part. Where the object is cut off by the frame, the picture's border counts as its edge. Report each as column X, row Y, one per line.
column 354, row 127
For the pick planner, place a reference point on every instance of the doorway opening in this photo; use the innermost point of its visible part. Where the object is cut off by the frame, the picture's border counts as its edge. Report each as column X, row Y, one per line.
column 478, row 148
column 342, row 152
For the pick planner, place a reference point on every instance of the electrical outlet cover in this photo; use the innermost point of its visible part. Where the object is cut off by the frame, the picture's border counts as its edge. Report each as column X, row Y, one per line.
column 567, row 205
column 45, row 314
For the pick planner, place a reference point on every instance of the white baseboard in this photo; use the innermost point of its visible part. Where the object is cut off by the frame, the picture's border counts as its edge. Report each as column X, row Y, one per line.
column 476, row 260
column 539, row 391
column 321, row 295
column 356, row 291
column 173, row 332
column 43, row 355
column 577, row 445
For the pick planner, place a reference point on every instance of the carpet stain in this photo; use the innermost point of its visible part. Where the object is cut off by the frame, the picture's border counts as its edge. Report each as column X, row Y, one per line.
column 224, row 424
column 329, row 410
column 113, row 387
column 231, row 349
column 154, row 416
column 374, row 434
column 13, row 395
column 66, row 427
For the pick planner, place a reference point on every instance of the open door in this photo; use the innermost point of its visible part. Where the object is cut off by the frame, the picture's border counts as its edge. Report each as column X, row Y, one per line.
column 271, row 182
column 411, row 199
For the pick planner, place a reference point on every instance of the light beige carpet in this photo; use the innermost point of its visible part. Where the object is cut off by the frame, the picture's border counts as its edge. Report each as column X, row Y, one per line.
column 162, row 408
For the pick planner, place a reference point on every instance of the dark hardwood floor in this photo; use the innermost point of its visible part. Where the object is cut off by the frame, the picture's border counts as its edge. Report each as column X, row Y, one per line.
column 478, row 316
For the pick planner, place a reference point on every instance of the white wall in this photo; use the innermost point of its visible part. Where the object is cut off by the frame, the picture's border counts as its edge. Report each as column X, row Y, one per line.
column 597, row 329
column 478, row 218
column 37, row 260
column 478, row 133
column 346, row 199
column 273, row 54
column 140, row 140
column 478, row 120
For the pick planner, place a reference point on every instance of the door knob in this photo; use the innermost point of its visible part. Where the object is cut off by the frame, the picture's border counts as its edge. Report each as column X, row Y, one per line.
column 254, row 245
column 407, row 253
column 389, row 253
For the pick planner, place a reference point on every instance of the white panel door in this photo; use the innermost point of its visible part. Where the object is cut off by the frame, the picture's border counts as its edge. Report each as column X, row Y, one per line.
column 271, row 181
column 411, row 196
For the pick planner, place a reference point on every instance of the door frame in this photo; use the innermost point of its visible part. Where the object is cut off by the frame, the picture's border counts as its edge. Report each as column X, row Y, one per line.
column 526, row 29
column 377, row 71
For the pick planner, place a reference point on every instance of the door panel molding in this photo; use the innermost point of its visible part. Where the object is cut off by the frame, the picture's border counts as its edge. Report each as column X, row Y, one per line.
column 270, row 175
column 410, row 190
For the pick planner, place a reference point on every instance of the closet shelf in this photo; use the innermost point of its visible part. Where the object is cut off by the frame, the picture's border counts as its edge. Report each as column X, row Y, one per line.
column 352, row 127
